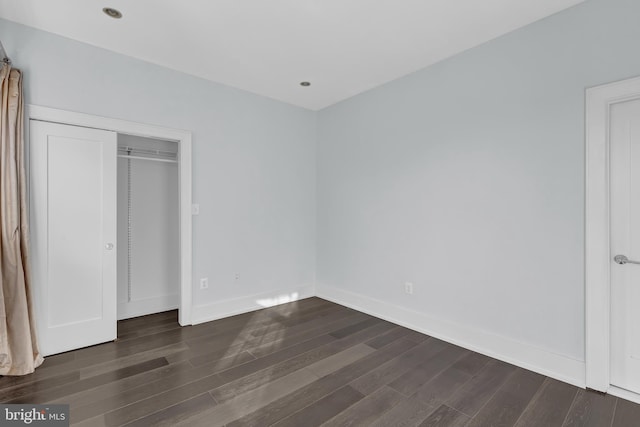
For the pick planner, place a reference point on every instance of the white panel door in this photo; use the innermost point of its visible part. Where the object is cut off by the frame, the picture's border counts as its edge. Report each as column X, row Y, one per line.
column 73, row 223
column 625, row 241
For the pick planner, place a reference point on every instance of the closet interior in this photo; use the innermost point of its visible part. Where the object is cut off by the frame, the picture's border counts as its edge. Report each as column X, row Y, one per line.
column 148, row 266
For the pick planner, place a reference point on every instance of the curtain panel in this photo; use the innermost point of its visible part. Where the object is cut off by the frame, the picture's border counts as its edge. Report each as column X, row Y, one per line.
column 19, row 353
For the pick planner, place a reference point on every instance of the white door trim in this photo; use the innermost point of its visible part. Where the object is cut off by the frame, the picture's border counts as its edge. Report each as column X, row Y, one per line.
column 599, row 101
column 183, row 138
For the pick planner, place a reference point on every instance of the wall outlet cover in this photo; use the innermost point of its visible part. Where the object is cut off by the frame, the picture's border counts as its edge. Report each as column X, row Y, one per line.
column 408, row 288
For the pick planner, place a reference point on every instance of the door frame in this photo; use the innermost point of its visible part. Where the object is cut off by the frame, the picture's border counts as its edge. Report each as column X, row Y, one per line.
column 183, row 138
column 599, row 101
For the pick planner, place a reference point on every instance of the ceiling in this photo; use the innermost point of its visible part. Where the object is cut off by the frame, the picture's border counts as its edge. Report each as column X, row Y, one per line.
column 343, row 47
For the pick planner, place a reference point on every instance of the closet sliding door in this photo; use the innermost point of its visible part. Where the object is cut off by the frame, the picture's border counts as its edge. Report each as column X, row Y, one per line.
column 73, row 234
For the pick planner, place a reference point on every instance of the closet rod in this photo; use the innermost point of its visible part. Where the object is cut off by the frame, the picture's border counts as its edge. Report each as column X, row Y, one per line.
column 125, row 156
column 4, row 56
column 148, row 151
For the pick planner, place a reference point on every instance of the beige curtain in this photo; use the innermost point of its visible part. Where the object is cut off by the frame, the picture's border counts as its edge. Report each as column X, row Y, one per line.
column 19, row 353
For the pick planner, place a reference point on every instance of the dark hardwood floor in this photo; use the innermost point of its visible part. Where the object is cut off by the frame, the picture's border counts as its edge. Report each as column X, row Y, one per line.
column 301, row 364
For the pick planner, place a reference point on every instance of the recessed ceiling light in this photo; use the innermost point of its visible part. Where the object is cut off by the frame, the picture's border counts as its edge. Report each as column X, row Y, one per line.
column 111, row 12
column 305, row 84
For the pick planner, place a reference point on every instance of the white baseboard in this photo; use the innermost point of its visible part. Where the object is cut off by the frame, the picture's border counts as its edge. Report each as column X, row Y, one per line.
column 127, row 310
column 624, row 394
column 232, row 307
column 517, row 353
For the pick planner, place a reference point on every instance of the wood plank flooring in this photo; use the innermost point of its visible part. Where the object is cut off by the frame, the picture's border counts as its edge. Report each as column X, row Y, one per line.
column 306, row 363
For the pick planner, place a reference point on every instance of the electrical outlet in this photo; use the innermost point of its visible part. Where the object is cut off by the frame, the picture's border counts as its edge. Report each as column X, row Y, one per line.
column 237, row 276
column 408, row 288
column 204, row 283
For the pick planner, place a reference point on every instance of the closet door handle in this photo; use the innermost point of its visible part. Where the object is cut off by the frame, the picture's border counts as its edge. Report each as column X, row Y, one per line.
column 622, row 260
column 109, row 246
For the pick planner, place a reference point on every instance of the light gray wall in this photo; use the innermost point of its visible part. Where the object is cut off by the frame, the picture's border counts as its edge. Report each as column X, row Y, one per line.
column 253, row 158
column 467, row 179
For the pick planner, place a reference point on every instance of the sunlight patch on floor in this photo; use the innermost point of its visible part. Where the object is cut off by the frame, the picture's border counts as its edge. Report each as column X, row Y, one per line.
column 281, row 299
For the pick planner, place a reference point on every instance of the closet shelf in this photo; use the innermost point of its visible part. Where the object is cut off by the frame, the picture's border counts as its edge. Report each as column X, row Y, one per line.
column 147, row 154
column 154, row 159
